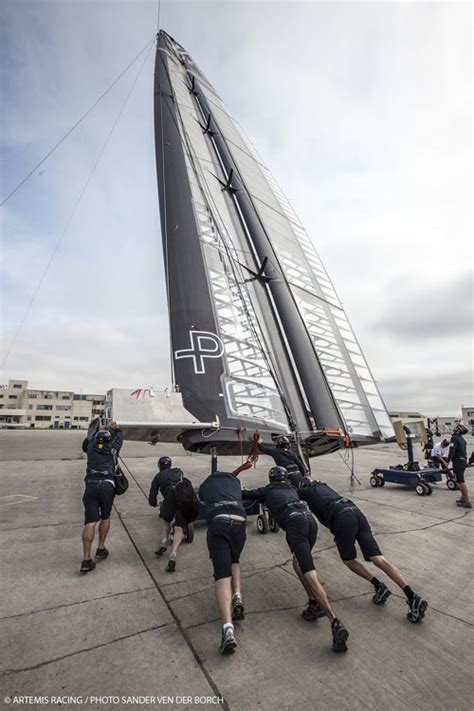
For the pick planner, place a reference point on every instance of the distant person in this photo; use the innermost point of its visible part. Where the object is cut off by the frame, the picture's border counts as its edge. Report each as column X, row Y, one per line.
column 282, row 454
column 458, row 457
column 282, row 500
column 428, row 446
column 165, row 483
column 348, row 524
column 102, row 451
column 226, row 519
column 440, row 454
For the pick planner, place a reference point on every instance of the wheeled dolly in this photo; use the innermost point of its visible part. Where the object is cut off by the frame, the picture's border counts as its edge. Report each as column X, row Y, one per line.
column 188, row 532
column 265, row 521
column 420, row 481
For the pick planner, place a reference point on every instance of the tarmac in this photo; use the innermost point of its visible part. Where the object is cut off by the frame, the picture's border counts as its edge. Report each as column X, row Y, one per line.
column 129, row 635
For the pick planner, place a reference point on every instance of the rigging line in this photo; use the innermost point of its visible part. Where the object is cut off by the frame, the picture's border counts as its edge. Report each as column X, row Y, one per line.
column 78, row 122
column 158, row 19
column 78, row 202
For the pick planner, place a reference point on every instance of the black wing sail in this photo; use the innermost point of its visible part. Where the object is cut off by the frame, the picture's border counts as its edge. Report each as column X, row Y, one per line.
column 259, row 337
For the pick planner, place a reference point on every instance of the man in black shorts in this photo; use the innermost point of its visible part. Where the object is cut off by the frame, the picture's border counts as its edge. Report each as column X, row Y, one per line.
column 348, row 525
column 458, row 456
column 102, row 451
column 301, row 529
column 226, row 518
column 164, row 483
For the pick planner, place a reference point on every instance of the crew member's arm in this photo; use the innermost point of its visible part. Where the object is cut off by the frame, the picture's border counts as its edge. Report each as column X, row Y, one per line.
column 266, row 450
column 453, row 447
column 153, row 495
column 117, row 437
column 84, row 445
column 254, row 494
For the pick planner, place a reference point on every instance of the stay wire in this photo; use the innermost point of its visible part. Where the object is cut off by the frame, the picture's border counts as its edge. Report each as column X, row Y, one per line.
column 78, row 122
column 74, row 210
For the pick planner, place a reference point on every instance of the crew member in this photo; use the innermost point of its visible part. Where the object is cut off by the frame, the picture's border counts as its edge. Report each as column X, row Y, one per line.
column 102, row 451
column 282, row 455
column 164, row 482
column 458, row 457
column 348, row 525
column 428, row 446
column 440, row 454
column 291, row 514
column 226, row 518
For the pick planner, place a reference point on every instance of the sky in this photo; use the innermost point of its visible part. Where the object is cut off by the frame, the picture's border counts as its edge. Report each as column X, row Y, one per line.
column 361, row 110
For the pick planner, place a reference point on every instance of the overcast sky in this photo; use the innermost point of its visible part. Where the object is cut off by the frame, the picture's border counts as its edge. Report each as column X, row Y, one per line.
column 362, row 111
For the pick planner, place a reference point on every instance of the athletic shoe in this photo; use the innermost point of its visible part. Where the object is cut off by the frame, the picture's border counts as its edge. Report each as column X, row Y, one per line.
column 101, row 553
column 161, row 550
column 464, row 504
column 313, row 612
column 382, row 594
column 238, row 612
column 228, row 643
column 87, row 566
column 417, row 609
column 171, row 567
column 339, row 636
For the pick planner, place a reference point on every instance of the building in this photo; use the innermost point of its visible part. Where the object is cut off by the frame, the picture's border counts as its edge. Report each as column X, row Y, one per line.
column 21, row 406
column 468, row 417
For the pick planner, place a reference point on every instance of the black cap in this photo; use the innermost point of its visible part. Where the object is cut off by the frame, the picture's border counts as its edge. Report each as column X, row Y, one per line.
column 164, row 463
column 283, row 442
column 278, row 474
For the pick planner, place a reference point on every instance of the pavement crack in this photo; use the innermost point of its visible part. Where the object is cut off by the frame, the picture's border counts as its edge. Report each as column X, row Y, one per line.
column 8, row 672
column 71, row 604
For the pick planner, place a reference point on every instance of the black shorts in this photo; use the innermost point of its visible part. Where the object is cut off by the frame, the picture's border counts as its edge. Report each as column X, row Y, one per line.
column 225, row 541
column 301, row 533
column 458, row 471
column 98, row 499
column 170, row 510
column 350, row 526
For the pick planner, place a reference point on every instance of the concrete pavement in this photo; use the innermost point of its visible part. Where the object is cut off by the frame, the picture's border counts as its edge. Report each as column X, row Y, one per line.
column 130, row 629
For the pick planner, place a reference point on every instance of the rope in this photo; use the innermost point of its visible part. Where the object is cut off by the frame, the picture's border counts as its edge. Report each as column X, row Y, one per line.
column 74, row 210
column 78, row 122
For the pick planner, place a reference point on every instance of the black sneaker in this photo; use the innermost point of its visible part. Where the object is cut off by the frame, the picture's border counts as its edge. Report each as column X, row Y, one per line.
column 313, row 612
column 228, row 643
column 464, row 504
column 101, row 553
column 171, row 567
column 418, row 608
column 161, row 550
column 87, row 566
column 382, row 594
column 339, row 636
column 238, row 611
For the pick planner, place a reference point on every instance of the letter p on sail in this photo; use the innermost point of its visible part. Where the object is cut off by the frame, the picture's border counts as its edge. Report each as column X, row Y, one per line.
column 204, row 344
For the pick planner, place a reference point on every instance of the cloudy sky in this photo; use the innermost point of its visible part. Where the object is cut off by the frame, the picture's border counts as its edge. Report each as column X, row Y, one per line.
column 361, row 110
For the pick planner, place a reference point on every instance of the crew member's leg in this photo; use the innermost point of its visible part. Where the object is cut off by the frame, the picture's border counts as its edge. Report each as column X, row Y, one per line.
column 314, row 610
column 91, row 516
column 301, row 533
column 179, row 526
column 238, row 541
column 167, row 511
column 464, row 501
column 106, row 500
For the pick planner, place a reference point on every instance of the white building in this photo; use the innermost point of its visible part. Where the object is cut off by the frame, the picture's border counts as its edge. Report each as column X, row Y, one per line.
column 45, row 409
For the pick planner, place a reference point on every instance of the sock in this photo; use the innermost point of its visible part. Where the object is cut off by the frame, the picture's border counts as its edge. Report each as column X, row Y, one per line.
column 173, row 556
column 409, row 593
column 164, row 542
column 335, row 620
column 227, row 626
column 375, row 583
column 237, row 594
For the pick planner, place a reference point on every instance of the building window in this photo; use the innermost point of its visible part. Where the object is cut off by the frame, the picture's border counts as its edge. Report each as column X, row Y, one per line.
column 48, row 396
column 66, row 397
column 44, row 407
column 32, row 396
column 63, row 407
column 1, row 396
column 43, row 418
column 30, row 407
column 13, row 397
column 84, row 419
column 17, row 386
column 29, row 418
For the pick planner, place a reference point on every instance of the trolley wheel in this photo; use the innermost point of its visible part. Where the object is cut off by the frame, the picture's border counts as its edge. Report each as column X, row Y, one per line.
column 374, row 481
column 262, row 523
column 430, row 489
column 274, row 527
column 420, row 489
column 380, row 480
column 189, row 536
column 451, row 484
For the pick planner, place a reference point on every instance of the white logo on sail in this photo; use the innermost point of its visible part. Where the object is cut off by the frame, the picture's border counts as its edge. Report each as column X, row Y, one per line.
column 203, row 345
